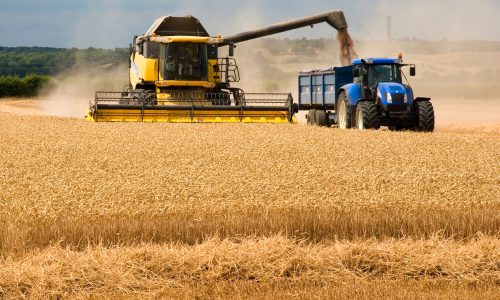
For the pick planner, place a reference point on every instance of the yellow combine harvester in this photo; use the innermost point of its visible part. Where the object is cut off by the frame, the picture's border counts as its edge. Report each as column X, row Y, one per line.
column 176, row 75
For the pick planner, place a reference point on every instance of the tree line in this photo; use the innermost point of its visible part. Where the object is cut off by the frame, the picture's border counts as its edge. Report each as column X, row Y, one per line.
column 24, row 71
column 23, row 61
column 28, row 86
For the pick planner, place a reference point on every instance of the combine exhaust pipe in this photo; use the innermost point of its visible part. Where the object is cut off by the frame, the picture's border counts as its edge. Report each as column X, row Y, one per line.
column 335, row 18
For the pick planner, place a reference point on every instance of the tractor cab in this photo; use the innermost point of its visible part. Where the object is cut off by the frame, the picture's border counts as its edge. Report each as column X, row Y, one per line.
column 372, row 74
column 381, row 80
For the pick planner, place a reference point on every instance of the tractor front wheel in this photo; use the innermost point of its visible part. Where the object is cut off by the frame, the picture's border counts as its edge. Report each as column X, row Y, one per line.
column 425, row 116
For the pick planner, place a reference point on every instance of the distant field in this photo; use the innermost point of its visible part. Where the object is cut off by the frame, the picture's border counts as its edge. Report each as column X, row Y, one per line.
column 121, row 208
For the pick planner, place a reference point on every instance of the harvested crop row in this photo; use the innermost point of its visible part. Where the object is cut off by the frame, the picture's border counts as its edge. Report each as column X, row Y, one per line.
column 155, row 269
column 76, row 182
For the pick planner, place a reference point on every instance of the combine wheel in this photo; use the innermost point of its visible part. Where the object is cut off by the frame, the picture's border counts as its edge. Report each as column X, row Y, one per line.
column 425, row 116
column 311, row 117
column 321, row 118
column 367, row 116
column 344, row 112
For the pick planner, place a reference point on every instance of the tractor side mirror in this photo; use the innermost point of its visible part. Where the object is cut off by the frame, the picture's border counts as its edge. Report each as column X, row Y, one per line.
column 356, row 73
column 231, row 49
column 413, row 71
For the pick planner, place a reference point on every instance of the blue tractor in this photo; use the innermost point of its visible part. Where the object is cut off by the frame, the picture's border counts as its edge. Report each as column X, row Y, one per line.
column 366, row 95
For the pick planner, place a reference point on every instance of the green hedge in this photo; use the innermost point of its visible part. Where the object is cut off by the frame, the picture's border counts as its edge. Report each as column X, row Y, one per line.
column 29, row 86
column 22, row 61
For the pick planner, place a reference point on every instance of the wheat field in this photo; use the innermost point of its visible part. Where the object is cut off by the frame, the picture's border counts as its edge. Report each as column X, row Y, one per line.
column 237, row 211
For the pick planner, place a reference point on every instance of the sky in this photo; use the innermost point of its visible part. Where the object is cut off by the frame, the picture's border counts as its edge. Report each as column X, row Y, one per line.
column 113, row 23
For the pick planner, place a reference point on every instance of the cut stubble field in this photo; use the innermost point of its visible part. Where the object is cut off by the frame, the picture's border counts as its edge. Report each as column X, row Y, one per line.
column 169, row 209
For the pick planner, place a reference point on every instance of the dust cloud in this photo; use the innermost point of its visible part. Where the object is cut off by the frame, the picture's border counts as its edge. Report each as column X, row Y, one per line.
column 70, row 93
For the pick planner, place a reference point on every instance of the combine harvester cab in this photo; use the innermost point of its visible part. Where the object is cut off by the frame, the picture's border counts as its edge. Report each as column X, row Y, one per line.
column 366, row 95
column 177, row 76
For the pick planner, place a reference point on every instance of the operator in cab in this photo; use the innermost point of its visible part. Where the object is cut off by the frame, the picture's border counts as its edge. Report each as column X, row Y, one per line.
column 184, row 60
column 379, row 73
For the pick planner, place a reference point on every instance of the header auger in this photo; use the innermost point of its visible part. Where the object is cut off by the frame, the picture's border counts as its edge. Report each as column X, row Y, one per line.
column 176, row 75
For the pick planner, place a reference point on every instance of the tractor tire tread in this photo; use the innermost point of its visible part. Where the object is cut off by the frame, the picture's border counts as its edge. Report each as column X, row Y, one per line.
column 371, row 117
column 425, row 116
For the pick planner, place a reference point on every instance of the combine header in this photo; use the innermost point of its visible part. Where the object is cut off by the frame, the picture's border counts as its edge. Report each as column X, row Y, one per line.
column 192, row 107
column 176, row 75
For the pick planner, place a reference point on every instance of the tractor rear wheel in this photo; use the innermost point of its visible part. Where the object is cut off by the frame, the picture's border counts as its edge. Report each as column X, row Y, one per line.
column 344, row 115
column 425, row 116
column 321, row 118
column 367, row 116
column 311, row 117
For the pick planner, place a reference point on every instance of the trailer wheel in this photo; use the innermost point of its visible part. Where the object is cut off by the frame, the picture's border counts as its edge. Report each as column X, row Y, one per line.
column 344, row 115
column 425, row 116
column 367, row 116
column 321, row 118
column 311, row 117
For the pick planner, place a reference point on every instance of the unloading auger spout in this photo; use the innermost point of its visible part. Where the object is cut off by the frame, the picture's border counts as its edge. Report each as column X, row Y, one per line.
column 335, row 18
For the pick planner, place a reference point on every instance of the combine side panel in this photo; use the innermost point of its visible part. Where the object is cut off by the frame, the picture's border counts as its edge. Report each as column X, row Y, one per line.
column 189, row 107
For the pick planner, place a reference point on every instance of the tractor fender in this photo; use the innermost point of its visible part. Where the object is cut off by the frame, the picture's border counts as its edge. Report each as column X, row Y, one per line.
column 353, row 91
column 409, row 92
column 421, row 99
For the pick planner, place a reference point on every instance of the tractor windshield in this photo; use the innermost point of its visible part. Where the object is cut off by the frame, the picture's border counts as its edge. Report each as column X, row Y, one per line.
column 383, row 73
column 184, row 61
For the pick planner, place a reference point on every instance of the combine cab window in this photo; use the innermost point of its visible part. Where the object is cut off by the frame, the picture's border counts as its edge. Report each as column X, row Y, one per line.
column 184, row 61
column 383, row 73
